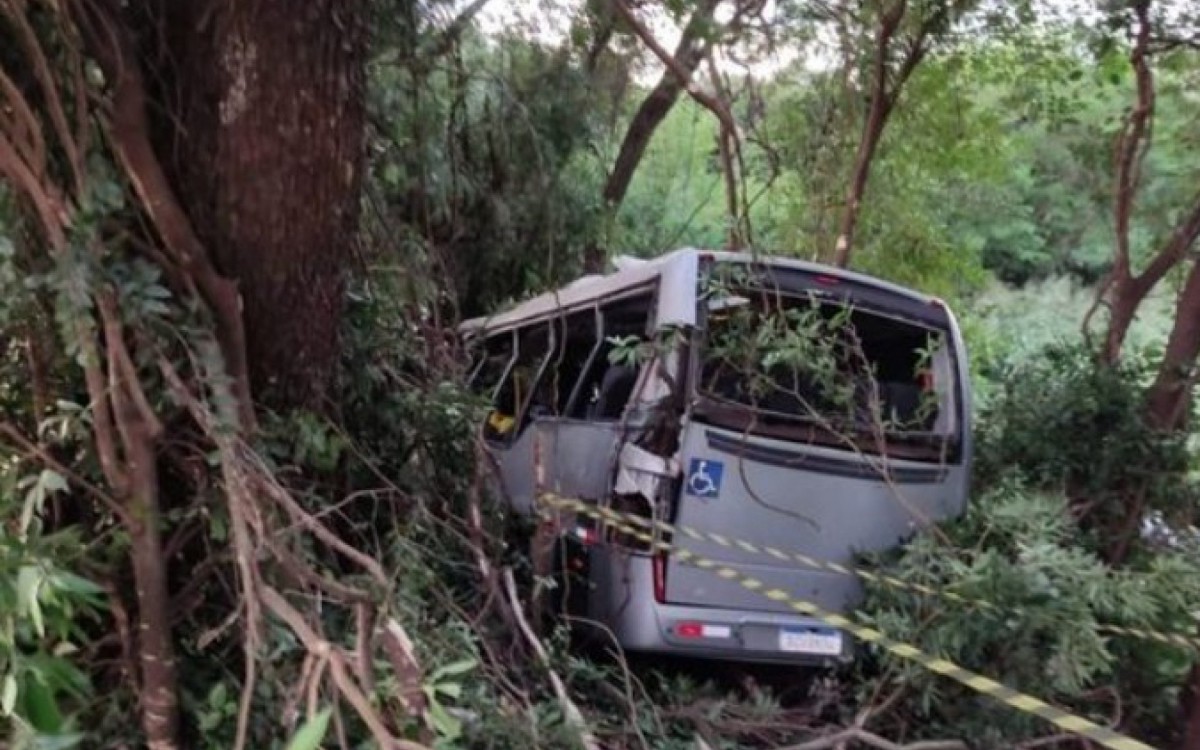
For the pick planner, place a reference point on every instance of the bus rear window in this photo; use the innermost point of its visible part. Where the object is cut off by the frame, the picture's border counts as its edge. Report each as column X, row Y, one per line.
column 804, row 360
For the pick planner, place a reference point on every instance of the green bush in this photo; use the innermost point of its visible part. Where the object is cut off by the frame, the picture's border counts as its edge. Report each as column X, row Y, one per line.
column 1020, row 550
column 1060, row 421
column 43, row 607
column 1062, row 457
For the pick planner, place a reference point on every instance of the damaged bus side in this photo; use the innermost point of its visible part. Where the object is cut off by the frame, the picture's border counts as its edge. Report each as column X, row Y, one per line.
column 775, row 401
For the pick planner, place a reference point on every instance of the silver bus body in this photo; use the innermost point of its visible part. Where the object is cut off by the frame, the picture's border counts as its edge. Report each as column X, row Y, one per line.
column 650, row 437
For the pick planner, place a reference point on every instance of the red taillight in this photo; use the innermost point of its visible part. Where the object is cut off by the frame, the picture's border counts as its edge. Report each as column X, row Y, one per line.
column 826, row 280
column 689, row 630
column 659, row 565
column 587, row 536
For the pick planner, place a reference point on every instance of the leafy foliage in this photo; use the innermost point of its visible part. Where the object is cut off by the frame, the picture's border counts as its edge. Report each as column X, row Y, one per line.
column 1061, row 422
column 468, row 153
column 1020, row 550
column 488, row 151
column 45, row 609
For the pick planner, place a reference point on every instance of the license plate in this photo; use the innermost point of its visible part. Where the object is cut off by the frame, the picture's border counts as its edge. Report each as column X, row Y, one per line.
column 822, row 641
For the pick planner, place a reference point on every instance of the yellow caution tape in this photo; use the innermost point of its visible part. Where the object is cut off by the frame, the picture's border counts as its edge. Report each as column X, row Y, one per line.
column 984, row 685
column 1180, row 640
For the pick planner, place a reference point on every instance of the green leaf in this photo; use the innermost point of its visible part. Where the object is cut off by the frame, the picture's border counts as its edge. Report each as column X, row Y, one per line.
column 446, row 726
column 8, row 695
column 48, row 482
column 449, row 689
column 157, row 291
column 58, row 741
column 452, row 669
column 52, row 481
column 310, row 735
column 210, row 720
column 40, row 707
column 29, row 580
column 218, row 695
column 74, row 584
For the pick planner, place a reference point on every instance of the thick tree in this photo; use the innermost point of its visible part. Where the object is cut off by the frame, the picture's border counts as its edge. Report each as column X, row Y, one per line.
column 237, row 130
column 694, row 44
column 901, row 34
column 728, row 143
column 1169, row 398
column 1126, row 288
column 263, row 134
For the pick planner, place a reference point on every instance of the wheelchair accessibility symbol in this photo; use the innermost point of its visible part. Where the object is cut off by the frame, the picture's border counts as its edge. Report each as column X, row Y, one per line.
column 704, row 478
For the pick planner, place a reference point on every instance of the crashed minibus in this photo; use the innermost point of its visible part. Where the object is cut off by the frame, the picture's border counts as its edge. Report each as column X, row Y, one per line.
column 771, row 400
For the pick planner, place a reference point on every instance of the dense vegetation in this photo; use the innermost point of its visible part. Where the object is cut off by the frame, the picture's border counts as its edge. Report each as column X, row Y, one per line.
column 241, row 491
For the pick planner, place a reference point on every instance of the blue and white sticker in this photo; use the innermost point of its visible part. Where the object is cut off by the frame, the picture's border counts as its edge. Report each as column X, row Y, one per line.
column 704, row 478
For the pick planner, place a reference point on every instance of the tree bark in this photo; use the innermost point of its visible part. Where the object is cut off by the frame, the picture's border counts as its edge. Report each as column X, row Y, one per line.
column 120, row 411
column 267, row 150
column 883, row 99
column 1191, row 710
column 39, row 352
column 185, row 256
column 691, row 50
column 1127, row 291
column 156, row 652
column 1170, row 395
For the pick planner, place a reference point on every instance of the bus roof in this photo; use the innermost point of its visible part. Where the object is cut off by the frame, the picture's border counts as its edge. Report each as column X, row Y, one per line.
column 677, row 271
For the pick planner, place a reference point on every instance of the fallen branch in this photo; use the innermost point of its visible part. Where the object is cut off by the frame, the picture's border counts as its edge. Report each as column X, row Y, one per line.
column 409, row 675
column 338, row 669
column 857, row 734
column 571, row 712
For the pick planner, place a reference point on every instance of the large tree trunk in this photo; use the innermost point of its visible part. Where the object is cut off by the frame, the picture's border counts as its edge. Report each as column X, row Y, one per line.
column 886, row 86
column 1170, row 396
column 689, row 53
column 863, row 159
column 1127, row 291
column 267, row 149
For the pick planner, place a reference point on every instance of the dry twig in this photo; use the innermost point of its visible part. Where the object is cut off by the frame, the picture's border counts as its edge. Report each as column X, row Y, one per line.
column 574, row 717
column 857, row 734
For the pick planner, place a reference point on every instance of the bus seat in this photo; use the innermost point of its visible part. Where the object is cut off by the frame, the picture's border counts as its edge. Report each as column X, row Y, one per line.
column 615, row 389
column 901, row 402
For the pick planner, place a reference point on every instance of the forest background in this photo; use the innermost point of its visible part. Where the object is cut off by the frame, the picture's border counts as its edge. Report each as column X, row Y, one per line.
column 239, row 473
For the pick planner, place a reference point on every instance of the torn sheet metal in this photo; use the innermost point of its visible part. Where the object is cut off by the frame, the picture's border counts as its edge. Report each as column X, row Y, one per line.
column 641, row 472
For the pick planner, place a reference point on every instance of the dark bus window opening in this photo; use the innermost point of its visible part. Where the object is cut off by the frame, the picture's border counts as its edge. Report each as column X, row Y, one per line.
column 800, row 360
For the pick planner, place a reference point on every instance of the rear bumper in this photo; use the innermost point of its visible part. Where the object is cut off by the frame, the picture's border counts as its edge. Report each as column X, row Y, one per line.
column 623, row 600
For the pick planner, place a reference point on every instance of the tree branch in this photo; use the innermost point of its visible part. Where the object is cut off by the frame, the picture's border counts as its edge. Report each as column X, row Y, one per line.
column 856, row 734
column 456, row 27
column 346, row 685
column 47, row 204
column 883, row 98
column 571, row 713
column 1133, row 140
column 706, row 100
column 128, row 133
column 36, row 56
column 23, row 126
column 15, row 436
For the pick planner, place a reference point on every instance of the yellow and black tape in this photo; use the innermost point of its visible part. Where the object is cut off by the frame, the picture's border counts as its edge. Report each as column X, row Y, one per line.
column 1180, row 640
column 984, row 685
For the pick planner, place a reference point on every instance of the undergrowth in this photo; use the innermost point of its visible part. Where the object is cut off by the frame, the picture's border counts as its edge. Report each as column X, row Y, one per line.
column 1060, row 447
